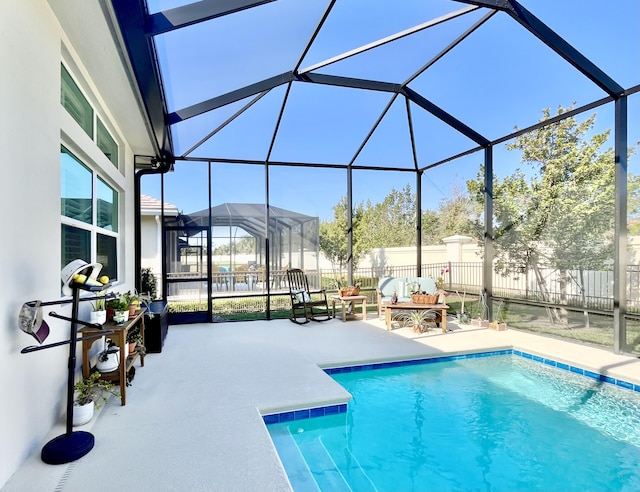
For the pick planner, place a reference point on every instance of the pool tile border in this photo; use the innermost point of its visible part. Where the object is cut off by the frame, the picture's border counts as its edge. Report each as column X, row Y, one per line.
column 290, row 416
column 584, row 372
column 342, row 408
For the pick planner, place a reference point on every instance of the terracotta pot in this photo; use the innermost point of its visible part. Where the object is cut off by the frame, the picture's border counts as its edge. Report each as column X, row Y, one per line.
column 132, row 309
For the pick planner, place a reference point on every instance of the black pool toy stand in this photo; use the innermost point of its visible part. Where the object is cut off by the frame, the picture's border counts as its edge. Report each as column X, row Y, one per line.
column 71, row 445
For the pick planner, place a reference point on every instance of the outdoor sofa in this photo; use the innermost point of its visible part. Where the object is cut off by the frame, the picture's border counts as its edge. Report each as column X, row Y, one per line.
column 403, row 287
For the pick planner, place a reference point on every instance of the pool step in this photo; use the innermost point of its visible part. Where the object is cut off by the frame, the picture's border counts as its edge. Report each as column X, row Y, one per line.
column 324, row 469
column 311, row 468
column 339, row 472
column 298, row 471
column 355, row 474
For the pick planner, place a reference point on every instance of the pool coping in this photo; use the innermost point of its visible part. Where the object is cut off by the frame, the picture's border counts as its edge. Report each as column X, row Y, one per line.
column 302, row 414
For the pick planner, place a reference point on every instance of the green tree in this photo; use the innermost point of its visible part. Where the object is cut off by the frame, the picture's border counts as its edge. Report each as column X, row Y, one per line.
column 390, row 223
column 457, row 213
column 334, row 239
column 221, row 250
column 245, row 245
column 560, row 213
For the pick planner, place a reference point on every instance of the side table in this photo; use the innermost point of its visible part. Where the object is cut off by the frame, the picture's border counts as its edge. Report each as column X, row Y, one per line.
column 119, row 336
column 345, row 301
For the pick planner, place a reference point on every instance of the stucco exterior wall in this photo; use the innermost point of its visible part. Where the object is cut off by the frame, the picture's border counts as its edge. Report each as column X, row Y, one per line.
column 33, row 126
column 455, row 249
column 150, row 247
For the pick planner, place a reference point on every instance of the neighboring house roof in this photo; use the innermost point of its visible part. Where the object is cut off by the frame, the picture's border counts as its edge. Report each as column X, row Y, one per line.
column 153, row 206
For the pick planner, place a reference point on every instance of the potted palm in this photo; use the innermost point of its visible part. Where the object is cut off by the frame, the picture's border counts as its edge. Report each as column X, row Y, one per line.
column 89, row 396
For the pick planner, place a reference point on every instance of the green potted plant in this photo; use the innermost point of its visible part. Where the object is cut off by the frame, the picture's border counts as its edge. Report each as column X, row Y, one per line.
column 420, row 321
column 148, row 283
column 463, row 316
column 482, row 311
column 135, row 341
column 90, row 395
column 133, row 302
column 99, row 309
column 120, row 306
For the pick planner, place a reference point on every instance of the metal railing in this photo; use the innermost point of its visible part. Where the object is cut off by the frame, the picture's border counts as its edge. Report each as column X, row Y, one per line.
column 587, row 289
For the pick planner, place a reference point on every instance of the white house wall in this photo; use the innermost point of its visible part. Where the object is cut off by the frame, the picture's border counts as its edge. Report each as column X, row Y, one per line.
column 150, row 247
column 34, row 124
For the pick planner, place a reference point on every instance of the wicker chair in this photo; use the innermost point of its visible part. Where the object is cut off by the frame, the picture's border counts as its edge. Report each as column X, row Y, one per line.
column 306, row 305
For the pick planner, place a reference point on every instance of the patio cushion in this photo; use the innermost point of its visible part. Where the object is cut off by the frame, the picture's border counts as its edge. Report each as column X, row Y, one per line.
column 403, row 286
column 302, row 295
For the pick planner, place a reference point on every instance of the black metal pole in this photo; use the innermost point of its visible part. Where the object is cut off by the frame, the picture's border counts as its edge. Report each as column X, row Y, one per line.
column 71, row 445
column 72, row 358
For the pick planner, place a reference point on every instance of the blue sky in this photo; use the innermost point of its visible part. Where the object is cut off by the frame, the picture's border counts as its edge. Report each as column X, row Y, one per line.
column 497, row 78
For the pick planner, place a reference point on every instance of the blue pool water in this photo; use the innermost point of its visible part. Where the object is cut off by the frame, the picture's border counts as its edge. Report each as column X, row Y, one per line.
column 499, row 423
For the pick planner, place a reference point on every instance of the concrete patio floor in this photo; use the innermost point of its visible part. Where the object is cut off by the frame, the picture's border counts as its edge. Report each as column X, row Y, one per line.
column 193, row 414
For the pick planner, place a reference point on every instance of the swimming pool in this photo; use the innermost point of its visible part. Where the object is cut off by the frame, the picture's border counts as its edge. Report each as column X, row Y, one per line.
column 494, row 423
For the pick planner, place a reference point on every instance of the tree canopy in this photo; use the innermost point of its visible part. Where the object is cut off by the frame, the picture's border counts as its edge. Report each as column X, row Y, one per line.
column 556, row 210
column 392, row 223
column 559, row 211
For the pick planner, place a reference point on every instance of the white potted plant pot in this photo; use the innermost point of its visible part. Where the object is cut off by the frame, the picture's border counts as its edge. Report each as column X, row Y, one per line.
column 83, row 413
column 108, row 362
column 121, row 317
column 98, row 317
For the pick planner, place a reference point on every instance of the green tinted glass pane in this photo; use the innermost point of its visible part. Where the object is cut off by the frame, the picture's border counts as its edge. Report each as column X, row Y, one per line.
column 107, row 256
column 107, row 206
column 75, row 103
column 75, row 188
column 75, row 243
column 106, row 143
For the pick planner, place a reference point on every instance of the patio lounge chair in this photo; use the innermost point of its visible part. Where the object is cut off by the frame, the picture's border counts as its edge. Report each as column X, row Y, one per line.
column 304, row 308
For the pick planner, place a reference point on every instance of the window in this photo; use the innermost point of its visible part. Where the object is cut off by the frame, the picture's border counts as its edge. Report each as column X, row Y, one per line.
column 75, row 188
column 107, row 255
column 107, row 206
column 77, row 105
column 89, row 209
column 106, row 143
column 76, row 243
